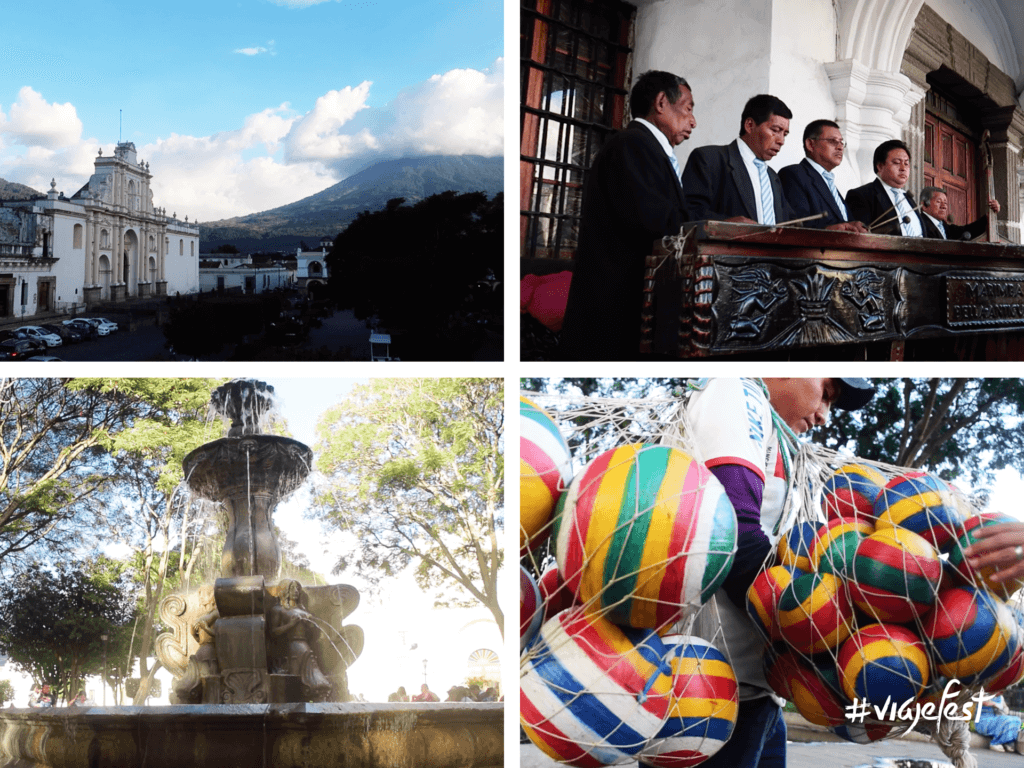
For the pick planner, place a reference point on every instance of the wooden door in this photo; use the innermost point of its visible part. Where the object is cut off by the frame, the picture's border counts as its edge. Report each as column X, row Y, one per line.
column 949, row 163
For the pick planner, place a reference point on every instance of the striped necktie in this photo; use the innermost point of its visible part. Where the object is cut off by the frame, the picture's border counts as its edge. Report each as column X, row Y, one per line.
column 767, row 200
column 903, row 209
column 942, row 230
column 830, row 180
column 675, row 166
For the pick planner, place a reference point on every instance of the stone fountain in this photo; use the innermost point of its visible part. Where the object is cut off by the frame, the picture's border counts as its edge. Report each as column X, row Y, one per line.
column 260, row 665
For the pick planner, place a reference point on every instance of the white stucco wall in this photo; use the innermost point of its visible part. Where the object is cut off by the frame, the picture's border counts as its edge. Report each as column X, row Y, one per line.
column 182, row 271
column 721, row 47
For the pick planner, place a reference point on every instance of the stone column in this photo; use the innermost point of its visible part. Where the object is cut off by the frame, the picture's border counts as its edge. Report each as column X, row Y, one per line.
column 872, row 106
column 1006, row 128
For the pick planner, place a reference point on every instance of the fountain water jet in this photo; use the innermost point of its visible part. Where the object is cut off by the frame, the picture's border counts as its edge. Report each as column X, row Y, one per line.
column 260, row 667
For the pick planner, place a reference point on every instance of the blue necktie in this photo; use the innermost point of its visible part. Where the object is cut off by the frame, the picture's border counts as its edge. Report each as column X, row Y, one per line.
column 767, row 200
column 675, row 166
column 942, row 229
column 903, row 209
column 830, row 180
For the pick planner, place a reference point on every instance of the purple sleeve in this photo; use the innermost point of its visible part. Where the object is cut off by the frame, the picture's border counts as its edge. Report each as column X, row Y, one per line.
column 745, row 490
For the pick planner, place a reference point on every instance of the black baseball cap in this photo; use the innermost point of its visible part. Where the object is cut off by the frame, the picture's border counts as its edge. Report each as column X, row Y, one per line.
column 854, row 394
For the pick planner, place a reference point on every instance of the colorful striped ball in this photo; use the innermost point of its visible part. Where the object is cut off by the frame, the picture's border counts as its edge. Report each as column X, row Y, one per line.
column 794, row 679
column 645, row 531
column 982, row 576
column 921, row 503
column 763, row 598
column 592, row 693
column 862, row 734
column 554, row 594
column 815, row 613
column 895, row 575
column 970, row 634
column 836, row 542
column 530, row 612
column 1011, row 674
column 545, row 471
column 705, row 708
column 883, row 662
column 795, row 545
column 850, row 492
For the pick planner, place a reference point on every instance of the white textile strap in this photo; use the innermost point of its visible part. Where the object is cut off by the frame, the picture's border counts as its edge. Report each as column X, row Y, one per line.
column 954, row 739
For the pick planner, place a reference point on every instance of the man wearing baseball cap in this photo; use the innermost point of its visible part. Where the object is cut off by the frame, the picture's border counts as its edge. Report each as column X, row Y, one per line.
column 746, row 432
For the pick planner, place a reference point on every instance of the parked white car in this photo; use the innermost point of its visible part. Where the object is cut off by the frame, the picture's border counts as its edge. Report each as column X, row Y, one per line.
column 43, row 335
column 103, row 326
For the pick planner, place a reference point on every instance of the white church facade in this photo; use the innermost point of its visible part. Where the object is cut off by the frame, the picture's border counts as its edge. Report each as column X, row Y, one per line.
column 942, row 75
column 106, row 243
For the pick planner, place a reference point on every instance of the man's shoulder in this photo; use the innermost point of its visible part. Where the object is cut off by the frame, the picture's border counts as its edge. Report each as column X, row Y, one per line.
column 796, row 172
column 864, row 190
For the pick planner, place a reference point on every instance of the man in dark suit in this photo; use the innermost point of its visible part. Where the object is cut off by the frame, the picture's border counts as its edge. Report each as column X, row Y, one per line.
column 733, row 182
column 935, row 206
column 631, row 197
column 882, row 205
column 809, row 185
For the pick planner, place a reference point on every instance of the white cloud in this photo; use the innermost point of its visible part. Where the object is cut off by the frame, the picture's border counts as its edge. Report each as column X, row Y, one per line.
column 257, row 50
column 276, row 156
column 34, row 122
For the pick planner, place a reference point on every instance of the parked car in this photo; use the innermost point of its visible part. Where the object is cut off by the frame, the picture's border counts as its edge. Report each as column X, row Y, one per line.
column 12, row 333
column 88, row 330
column 47, row 337
column 21, row 349
column 103, row 326
column 66, row 332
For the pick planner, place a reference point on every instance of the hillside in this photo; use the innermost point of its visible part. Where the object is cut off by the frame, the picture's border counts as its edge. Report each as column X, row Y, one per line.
column 10, row 190
column 330, row 211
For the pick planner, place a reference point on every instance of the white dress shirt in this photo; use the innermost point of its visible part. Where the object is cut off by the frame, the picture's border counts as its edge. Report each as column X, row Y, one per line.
column 911, row 229
column 663, row 140
column 938, row 225
column 839, row 201
column 755, row 179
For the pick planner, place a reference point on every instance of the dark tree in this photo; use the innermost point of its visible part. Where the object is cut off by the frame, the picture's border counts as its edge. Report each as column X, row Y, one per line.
column 414, row 268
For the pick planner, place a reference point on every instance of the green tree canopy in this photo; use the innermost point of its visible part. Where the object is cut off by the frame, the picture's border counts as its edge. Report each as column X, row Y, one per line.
column 960, row 428
column 415, row 469
column 52, row 619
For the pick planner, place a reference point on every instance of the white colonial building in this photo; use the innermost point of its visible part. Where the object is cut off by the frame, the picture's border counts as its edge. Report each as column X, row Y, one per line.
column 105, row 243
column 938, row 74
column 311, row 267
column 238, row 273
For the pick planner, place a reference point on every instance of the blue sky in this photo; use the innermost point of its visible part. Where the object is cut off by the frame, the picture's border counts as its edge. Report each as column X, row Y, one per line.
column 241, row 106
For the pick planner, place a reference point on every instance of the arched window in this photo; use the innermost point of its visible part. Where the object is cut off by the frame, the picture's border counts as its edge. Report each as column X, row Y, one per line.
column 104, row 238
column 181, row 247
column 193, row 247
column 77, row 237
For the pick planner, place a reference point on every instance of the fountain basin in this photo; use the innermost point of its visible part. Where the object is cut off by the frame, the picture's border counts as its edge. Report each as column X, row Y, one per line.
column 256, row 464
column 393, row 735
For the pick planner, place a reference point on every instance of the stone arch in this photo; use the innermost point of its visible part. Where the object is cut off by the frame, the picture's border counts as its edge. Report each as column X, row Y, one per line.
column 104, row 276
column 315, row 269
column 131, row 262
column 153, row 275
column 876, row 32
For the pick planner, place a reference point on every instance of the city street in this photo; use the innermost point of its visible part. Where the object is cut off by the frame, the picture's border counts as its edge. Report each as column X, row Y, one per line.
column 340, row 332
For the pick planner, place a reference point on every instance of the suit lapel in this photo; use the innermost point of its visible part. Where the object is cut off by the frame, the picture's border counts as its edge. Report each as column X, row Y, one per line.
column 741, row 179
column 823, row 191
column 656, row 145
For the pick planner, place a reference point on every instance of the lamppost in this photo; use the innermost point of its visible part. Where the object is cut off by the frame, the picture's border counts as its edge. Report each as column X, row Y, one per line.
column 103, row 681
column 424, row 671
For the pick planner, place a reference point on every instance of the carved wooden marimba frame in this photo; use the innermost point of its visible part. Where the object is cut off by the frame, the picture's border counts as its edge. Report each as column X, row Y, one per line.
column 740, row 289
